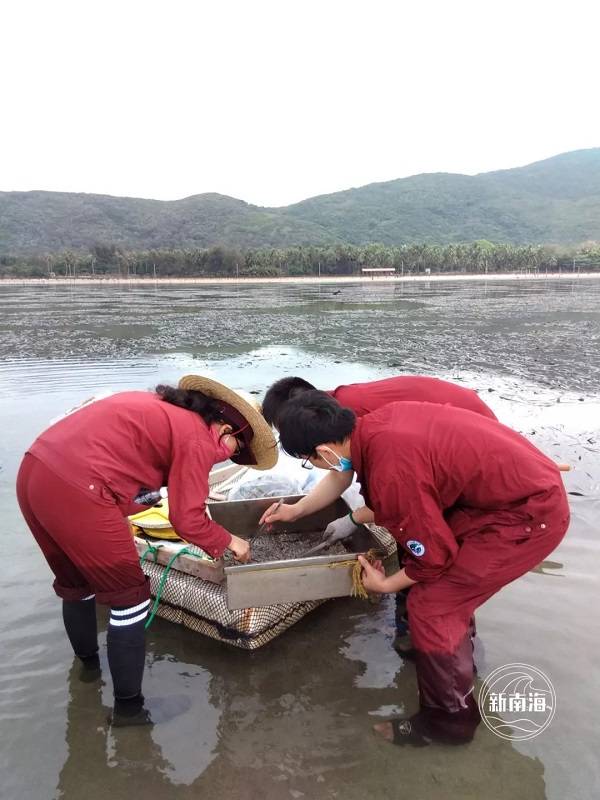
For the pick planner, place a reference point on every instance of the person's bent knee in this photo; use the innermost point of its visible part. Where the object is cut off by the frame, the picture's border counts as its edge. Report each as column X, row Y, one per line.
column 72, row 594
column 125, row 597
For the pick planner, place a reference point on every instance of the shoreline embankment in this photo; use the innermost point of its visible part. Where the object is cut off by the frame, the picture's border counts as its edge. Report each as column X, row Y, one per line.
column 307, row 280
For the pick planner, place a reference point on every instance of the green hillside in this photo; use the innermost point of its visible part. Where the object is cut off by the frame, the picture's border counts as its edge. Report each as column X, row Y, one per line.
column 553, row 201
column 31, row 222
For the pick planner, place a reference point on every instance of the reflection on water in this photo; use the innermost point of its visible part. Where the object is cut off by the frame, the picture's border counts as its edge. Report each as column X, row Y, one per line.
column 259, row 727
column 294, row 720
column 548, row 567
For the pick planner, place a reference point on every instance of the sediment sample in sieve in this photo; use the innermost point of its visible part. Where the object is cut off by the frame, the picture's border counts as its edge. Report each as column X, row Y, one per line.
column 281, row 546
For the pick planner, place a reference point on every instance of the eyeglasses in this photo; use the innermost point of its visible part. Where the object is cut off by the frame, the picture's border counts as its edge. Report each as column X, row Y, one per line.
column 306, row 463
column 240, row 444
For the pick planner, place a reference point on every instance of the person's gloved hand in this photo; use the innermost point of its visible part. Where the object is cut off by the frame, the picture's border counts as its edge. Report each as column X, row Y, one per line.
column 339, row 529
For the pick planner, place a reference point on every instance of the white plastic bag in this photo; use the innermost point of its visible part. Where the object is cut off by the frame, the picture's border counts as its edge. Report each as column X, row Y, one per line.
column 269, row 485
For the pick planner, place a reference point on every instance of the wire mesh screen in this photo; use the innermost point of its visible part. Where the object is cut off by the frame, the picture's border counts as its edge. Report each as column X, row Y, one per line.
column 201, row 605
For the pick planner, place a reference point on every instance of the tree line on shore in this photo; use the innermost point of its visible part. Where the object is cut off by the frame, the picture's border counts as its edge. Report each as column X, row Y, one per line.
column 108, row 260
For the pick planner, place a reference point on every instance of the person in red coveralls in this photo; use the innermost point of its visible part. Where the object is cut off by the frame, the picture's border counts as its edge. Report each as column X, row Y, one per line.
column 78, row 482
column 363, row 398
column 472, row 503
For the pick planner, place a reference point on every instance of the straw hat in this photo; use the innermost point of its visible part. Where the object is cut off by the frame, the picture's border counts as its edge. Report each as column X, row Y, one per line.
column 262, row 444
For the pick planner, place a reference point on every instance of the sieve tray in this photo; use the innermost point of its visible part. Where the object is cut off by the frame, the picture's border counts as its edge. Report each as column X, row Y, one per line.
column 291, row 580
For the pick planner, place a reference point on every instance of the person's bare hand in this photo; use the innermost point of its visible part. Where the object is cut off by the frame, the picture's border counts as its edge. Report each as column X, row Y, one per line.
column 279, row 513
column 240, row 549
column 373, row 576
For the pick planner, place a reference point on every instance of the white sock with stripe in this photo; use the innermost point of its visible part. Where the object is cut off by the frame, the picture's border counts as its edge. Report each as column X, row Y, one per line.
column 126, row 648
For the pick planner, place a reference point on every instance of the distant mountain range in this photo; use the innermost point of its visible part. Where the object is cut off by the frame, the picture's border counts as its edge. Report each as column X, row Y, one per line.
column 552, row 201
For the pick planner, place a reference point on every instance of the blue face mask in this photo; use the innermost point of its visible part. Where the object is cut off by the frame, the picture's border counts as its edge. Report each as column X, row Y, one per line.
column 343, row 465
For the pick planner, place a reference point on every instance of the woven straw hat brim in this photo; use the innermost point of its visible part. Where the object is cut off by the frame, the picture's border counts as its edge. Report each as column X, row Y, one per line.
column 263, row 445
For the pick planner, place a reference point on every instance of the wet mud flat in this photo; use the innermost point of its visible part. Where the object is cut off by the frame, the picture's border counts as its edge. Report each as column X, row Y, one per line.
column 293, row 720
column 545, row 331
column 282, row 546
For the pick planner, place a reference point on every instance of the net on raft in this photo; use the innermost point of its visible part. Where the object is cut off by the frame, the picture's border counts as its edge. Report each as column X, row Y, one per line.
column 201, row 605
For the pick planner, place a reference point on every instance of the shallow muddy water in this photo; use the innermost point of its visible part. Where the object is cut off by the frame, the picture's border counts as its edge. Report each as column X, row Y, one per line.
column 293, row 720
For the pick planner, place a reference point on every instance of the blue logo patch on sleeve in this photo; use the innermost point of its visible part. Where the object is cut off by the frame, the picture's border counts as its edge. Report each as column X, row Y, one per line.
column 415, row 547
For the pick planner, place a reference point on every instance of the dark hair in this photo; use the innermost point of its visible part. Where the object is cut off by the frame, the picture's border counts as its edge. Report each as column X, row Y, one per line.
column 279, row 393
column 209, row 409
column 311, row 419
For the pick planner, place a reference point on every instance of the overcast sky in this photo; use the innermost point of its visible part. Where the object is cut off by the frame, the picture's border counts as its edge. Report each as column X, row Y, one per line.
column 273, row 102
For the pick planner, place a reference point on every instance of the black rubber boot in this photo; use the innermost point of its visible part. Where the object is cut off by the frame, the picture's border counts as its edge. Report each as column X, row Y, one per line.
column 130, row 712
column 401, row 612
column 90, row 669
column 126, row 643
column 402, row 643
column 133, row 711
column 82, row 629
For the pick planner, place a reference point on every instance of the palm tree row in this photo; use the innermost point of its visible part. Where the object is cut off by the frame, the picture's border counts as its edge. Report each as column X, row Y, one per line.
column 474, row 257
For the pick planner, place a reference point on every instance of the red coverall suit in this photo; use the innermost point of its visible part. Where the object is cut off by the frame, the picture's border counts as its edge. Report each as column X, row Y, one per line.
column 474, row 505
column 78, row 480
column 363, row 398
column 75, row 486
